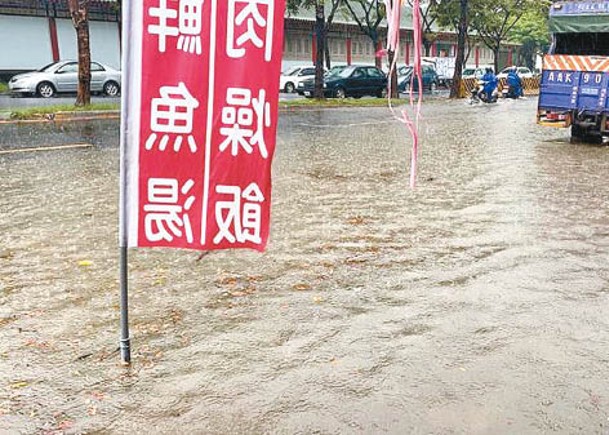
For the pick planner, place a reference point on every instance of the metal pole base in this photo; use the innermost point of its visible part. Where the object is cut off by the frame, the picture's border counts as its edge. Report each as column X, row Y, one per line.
column 124, row 343
column 125, row 347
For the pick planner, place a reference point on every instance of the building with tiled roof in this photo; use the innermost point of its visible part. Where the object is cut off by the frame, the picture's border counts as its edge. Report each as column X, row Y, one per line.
column 40, row 31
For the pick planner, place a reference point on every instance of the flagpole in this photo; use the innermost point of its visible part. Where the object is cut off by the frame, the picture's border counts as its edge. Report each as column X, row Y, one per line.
column 125, row 341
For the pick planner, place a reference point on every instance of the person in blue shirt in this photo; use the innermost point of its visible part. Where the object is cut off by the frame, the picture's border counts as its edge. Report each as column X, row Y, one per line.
column 515, row 83
column 490, row 83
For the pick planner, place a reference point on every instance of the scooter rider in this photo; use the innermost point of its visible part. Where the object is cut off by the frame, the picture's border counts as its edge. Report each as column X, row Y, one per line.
column 515, row 84
column 490, row 83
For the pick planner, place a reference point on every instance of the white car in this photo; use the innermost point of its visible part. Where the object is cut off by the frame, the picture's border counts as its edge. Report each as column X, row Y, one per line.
column 63, row 77
column 522, row 71
column 473, row 73
column 289, row 80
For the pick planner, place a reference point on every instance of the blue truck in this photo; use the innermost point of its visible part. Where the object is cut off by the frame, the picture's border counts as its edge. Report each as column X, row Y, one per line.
column 575, row 75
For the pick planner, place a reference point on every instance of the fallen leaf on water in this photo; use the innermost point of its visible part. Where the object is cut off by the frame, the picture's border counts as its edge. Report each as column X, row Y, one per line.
column 97, row 395
column 20, row 384
column 85, row 263
column 318, row 299
column 356, row 220
column 228, row 280
column 66, row 424
column 301, row 287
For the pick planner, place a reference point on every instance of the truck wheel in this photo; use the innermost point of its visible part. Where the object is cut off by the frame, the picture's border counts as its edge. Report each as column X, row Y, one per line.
column 581, row 135
column 577, row 131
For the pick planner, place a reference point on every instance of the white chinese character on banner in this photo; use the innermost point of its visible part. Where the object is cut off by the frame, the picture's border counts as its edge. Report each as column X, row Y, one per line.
column 239, row 220
column 173, row 113
column 189, row 24
column 253, row 19
column 167, row 216
column 244, row 120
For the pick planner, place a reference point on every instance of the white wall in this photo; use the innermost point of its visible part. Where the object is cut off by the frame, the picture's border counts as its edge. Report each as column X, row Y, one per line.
column 105, row 46
column 105, row 43
column 26, row 43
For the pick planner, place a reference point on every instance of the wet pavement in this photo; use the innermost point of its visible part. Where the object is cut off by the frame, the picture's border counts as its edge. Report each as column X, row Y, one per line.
column 476, row 304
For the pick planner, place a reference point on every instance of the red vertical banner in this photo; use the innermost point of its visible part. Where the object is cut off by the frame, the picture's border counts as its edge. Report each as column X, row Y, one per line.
column 246, row 95
column 201, row 122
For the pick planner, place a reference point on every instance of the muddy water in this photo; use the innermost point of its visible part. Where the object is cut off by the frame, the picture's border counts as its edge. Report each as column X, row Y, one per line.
column 476, row 304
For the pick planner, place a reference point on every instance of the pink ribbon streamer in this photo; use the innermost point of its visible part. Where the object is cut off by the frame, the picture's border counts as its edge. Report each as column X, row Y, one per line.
column 394, row 9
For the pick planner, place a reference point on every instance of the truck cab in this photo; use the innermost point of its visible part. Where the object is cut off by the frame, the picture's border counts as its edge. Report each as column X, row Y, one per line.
column 575, row 74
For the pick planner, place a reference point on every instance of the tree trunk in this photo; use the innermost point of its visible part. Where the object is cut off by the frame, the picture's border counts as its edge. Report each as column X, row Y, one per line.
column 327, row 54
column 320, row 19
column 79, row 10
column 378, row 60
column 496, row 58
column 427, row 46
column 462, row 32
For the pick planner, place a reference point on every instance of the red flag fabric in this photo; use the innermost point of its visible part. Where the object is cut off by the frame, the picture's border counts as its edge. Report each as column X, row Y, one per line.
column 200, row 109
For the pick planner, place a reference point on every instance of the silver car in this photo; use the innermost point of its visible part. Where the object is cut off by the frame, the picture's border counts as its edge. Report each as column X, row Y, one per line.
column 63, row 77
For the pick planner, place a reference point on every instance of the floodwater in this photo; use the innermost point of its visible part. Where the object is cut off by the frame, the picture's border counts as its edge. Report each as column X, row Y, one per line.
column 479, row 303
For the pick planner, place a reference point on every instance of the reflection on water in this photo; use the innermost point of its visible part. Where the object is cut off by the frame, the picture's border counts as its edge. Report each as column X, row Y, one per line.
column 476, row 303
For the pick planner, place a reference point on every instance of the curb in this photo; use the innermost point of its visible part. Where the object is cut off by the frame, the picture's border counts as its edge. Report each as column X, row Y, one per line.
column 82, row 115
column 5, row 118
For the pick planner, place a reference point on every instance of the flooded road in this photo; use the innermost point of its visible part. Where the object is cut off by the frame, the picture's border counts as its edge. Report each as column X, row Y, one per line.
column 478, row 303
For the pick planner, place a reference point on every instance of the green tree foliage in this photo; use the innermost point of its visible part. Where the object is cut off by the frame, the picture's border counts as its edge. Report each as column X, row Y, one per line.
column 493, row 20
column 368, row 14
column 532, row 33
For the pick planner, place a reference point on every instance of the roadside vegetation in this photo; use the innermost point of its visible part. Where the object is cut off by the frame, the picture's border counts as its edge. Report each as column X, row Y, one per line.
column 341, row 102
column 50, row 112
column 3, row 87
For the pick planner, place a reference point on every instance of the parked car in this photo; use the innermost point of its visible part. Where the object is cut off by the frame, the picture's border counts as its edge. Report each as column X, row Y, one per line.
column 336, row 70
column 352, row 81
column 63, row 77
column 289, row 80
column 473, row 73
column 430, row 78
column 332, row 71
column 522, row 71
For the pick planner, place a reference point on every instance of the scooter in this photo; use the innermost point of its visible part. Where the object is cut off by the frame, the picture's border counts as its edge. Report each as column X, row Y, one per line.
column 479, row 96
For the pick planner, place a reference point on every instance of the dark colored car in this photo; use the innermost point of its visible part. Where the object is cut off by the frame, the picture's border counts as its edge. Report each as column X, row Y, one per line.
column 352, row 81
column 333, row 71
column 430, row 78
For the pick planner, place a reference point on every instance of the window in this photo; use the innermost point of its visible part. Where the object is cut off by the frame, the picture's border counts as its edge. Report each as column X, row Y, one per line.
column 69, row 68
column 358, row 74
column 95, row 67
column 288, row 44
column 373, row 72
